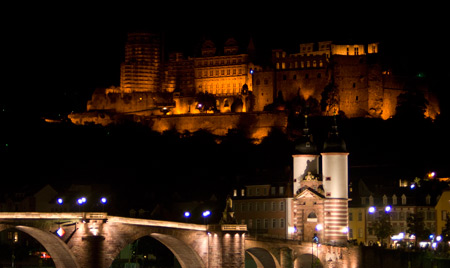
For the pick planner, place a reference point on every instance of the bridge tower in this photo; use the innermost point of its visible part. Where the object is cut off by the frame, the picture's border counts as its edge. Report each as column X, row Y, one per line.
column 335, row 184
column 306, row 158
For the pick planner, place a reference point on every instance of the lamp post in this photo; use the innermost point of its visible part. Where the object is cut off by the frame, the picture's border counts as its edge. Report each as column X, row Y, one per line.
column 314, row 240
column 103, row 201
column 81, row 201
column 205, row 215
column 187, row 215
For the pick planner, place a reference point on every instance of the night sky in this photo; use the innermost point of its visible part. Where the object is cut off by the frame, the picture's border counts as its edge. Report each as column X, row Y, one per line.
column 65, row 52
column 56, row 56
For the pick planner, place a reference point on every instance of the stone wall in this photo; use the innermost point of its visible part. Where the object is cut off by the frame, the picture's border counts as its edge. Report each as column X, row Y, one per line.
column 256, row 125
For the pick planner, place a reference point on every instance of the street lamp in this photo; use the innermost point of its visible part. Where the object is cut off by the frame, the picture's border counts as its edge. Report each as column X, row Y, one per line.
column 59, row 201
column 81, row 201
column 205, row 215
column 187, row 215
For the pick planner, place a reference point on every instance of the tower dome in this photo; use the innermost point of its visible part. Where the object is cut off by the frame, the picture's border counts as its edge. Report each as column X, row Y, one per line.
column 305, row 145
column 334, row 143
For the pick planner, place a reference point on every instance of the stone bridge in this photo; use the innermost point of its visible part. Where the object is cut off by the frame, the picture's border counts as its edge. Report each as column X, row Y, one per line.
column 95, row 240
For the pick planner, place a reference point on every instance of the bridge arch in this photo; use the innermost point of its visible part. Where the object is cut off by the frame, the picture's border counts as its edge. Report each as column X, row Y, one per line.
column 60, row 252
column 307, row 260
column 185, row 254
column 263, row 258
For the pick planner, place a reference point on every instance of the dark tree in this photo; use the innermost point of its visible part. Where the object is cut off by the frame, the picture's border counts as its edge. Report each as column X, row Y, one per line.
column 382, row 227
column 416, row 225
column 330, row 99
column 411, row 105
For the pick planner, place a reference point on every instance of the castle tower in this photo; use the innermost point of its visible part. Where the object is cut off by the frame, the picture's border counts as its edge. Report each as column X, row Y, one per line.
column 335, row 184
column 140, row 72
column 306, row 158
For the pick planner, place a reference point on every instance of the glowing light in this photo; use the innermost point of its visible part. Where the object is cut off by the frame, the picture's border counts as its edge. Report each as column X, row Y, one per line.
column 388, row 209
column 59, row 201
column 372, row 210
column 412, row 186
column 206, row 213
column 81, row 200
column 399, row 236
column 292, row 229
column 187, row 214
column 438, row 238
column 431, row 236
column 103, row 200
column 60, row 232
column 319, row 227
column 344, row 230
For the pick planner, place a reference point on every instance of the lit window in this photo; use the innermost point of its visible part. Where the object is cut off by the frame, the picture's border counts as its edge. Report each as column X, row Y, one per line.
column 403, row 199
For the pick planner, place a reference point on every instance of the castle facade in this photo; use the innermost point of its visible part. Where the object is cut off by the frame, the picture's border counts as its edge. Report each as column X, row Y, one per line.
column 323, row 78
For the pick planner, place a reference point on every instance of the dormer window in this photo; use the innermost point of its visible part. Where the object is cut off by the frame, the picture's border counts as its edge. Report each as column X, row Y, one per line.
column 385, row 200
column 403, row 199
column 394, row 199
column 428, row 199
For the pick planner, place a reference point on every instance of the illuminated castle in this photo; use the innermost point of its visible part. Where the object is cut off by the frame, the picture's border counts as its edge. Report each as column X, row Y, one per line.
column 327, row 77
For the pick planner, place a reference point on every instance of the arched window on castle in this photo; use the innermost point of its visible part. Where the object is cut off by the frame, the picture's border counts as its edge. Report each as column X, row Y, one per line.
column 385, row 200
column 403, row 199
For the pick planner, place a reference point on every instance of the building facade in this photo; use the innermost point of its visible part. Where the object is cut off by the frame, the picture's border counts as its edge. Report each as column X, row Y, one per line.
column 265, row 209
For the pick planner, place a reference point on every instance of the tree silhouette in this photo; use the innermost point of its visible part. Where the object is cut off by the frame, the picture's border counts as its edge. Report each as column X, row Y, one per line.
column 330, row 99
column 416, row 225
column 382, row 227
column 411, row 105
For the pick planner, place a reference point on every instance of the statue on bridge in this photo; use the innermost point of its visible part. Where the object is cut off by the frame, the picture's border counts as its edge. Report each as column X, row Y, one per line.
column 228, row 213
